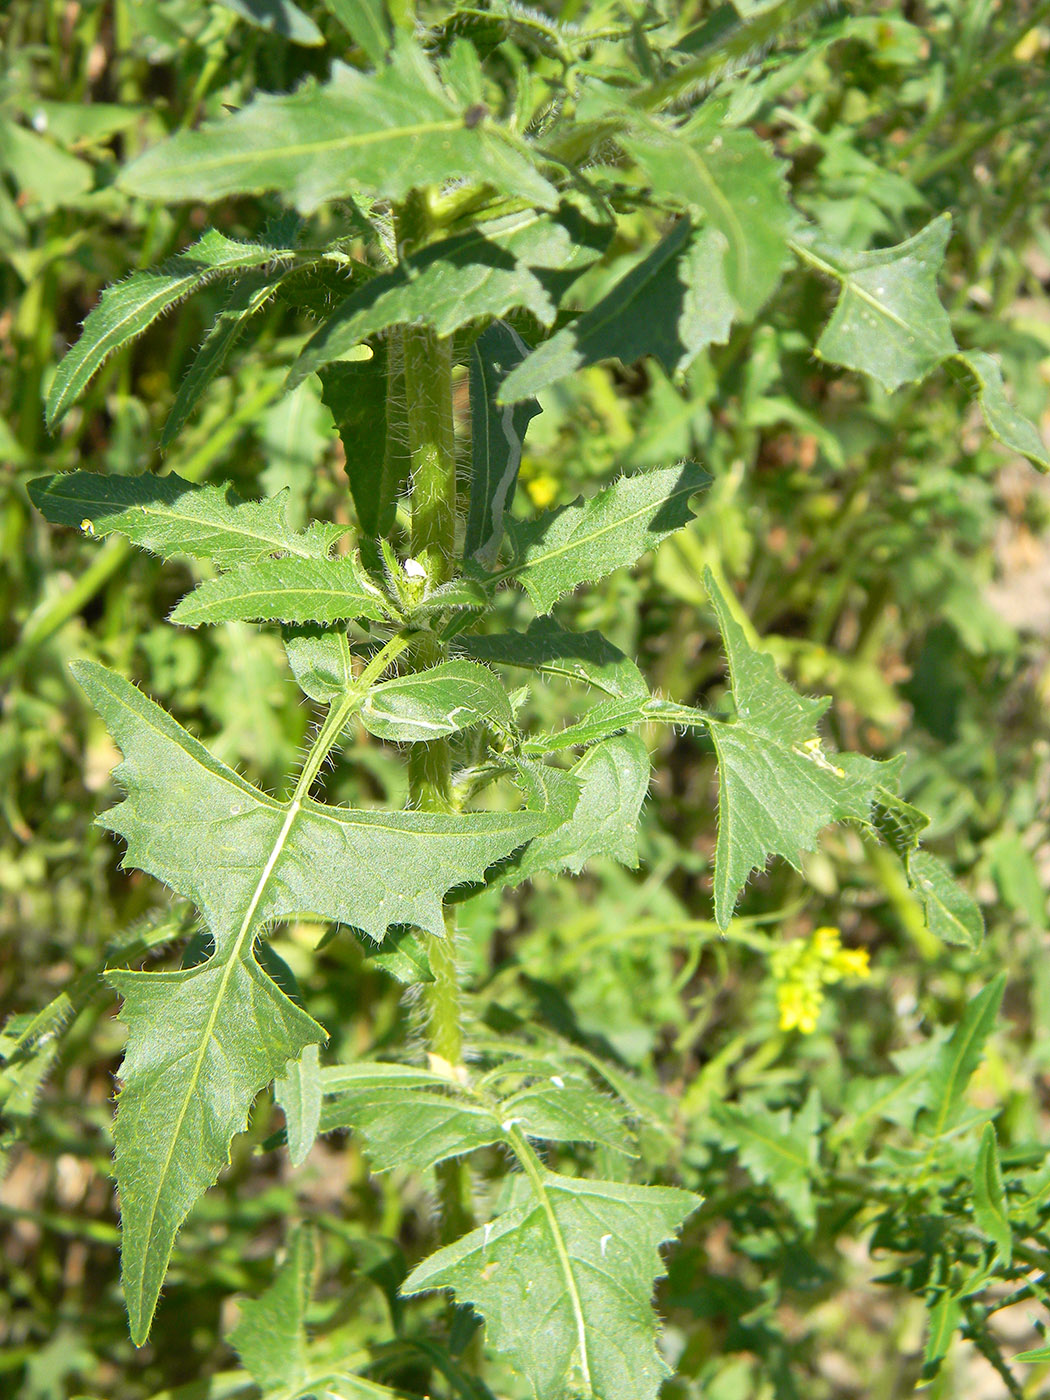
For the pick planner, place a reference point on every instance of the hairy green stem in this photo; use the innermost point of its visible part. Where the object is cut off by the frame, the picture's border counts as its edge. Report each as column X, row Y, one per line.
column 428, row 388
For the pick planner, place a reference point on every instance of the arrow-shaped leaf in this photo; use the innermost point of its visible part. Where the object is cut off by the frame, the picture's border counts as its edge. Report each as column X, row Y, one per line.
column 204, row 1041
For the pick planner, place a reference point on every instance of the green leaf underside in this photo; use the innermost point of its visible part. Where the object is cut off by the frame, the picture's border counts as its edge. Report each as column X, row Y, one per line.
column 670, row 305
column 405, row 1127
column 497, row 437
column 203, row 1042
column 270, row 1336
column 283, row 590
column 170, row 516
column 377, row 463
column 553, row 651
column 298, row 1093
column 440, row 701
column 737, row 185
column 614, row 779
column 582, row 1256
column 1004, row 421
column 888, row 321
column 778, row 1148
column 247, row 298
column 522, row 260
column 130, row 307
column 386, row 133
column 603, row 720
column 582, row 542
column 776, row 789
column 951, row 913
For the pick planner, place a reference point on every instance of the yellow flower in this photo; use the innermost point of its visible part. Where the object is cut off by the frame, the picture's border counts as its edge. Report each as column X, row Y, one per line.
column 804, row 967
column 542, row 490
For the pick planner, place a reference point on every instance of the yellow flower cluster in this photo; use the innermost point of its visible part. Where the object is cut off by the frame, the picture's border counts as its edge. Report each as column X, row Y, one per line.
column 804, row 967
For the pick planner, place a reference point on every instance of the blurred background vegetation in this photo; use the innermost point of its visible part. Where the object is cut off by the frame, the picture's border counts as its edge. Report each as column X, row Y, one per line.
column 886, row 550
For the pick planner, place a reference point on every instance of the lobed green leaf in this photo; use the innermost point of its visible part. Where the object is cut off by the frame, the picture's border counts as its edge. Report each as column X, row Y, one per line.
column 383, row 133
column 284, row 590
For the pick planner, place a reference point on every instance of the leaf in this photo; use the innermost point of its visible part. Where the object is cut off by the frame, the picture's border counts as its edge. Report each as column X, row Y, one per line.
column 959, row 1057
column 1005, row 423
column 171, row 517
column 944, row 1317
column 888, row 321
column 298, row 1093
column 405, row 1127
column 284, row 590
column 734, row 181
column 581, row 1256
column 951, row 913
column 776, row 788
column 377, row 460
column 320, row 660
column 270, row 1336
column 778, row 1148
column 366, row 23
column 600, row 722
column 278, row 17
column 565, row 1108
column 522, row 260
column 496, row 439
column 382, row 133
column 204, row 1041
column 433, row 703
column 575, row 656
column 377, row 1074
column 989, row 1197
column 131, row 306
column 670, row 305
column 582, row 542
column 614, row 779
column 249, row 296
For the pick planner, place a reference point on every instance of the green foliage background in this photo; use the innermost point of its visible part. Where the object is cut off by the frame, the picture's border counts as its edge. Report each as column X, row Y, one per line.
column 885, row 549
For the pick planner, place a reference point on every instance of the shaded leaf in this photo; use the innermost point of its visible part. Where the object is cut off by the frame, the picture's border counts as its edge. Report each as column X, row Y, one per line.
column 363, row 398
column 131, row 306
column 582, row 542
column 384, row 133
column 733, row 180
column 778, row 1148
column 170, row 516
column 888, row 321
column 367, row 24
column 576, row 656
column 581, row 1255
column 670, row 305
column 496, row 438
column 521, row 260
column 284, row 590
